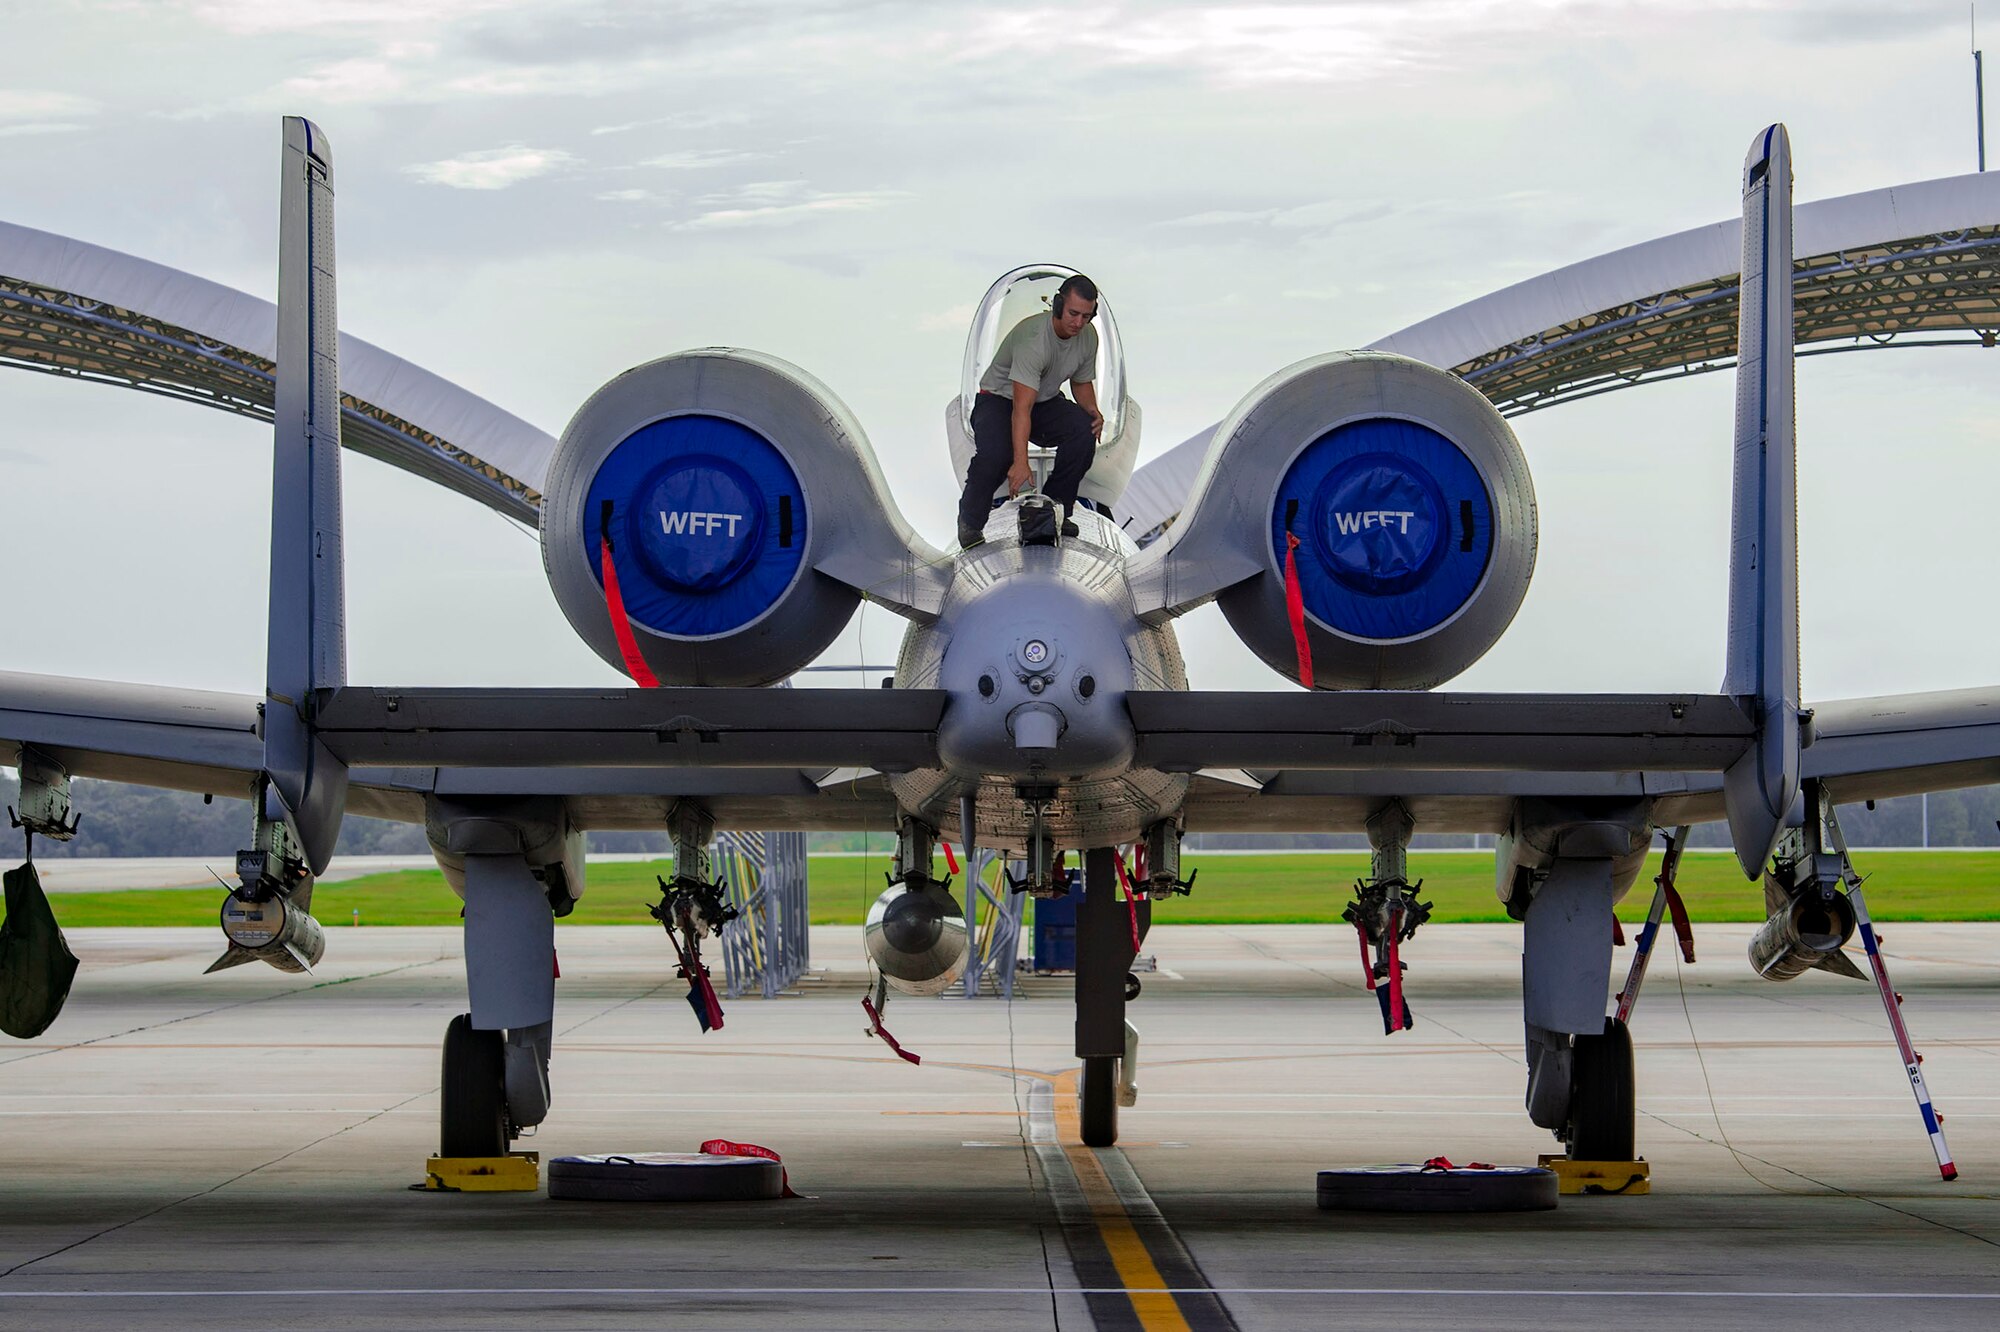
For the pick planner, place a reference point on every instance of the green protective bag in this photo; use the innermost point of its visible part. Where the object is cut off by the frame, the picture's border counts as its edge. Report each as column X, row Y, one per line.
column 36, row 965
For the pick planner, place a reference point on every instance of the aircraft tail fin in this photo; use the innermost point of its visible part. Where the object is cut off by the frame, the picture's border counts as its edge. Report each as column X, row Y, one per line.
column 307, row 644
column 1762, row 666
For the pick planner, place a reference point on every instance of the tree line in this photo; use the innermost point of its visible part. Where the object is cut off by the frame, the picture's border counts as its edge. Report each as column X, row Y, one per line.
column 120, row 820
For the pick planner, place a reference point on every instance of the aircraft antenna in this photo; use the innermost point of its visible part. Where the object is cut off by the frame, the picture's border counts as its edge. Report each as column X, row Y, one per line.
column 1978, row 85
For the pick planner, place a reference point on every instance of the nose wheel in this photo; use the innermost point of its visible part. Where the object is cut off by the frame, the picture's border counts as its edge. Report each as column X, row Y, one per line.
column 472, row 1110
column 1097, row 1100
column 1603, row 1103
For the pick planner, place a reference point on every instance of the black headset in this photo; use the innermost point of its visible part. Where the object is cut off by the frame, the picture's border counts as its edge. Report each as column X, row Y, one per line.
column 1069, row 285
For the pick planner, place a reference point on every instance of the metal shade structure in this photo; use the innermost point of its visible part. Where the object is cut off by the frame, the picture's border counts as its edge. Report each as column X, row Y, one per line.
column 91, row 313
column 1914, row 265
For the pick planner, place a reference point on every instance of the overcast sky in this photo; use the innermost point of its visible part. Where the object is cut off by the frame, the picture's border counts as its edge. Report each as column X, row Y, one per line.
column 534, row 197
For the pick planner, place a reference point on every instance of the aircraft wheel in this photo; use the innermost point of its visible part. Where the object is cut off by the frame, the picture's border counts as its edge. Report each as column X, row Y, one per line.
column 1603, row 1105
column 473, row 1105
column 1097, row 1100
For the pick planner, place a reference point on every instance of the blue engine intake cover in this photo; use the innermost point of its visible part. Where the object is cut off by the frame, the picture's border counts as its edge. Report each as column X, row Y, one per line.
column 1395, row 528
column 708, row 524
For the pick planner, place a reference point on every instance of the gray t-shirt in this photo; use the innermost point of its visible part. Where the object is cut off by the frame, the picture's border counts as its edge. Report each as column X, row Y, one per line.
column 1032, row 354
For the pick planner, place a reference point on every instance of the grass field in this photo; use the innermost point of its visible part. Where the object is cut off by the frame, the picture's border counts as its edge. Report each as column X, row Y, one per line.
column 1236, row 890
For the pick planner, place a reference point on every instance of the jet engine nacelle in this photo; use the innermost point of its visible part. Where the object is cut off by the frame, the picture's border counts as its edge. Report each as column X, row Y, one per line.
column 723, row 479
column 1404, row 505
column 917, row 938
column 1804, row 932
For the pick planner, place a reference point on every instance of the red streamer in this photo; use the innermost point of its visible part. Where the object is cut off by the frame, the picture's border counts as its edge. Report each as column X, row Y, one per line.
column 1683, row 931
column 724, row 1147
column 621, row 626
column 1131, row 903
column 1295, row 608
column 950, row 860
column 875, row 1028
column 1397, row 1020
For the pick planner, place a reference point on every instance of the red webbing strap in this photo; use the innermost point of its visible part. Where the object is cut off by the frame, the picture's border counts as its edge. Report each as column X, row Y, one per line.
column 696, row 976
column 1139, row 860
column 708, row 998
column 1367, row 967
column 1396, row 1020
column 1683, row 931
column 1295, row 608
column 1435, row 1163
column 950, row 860
column 1131, row 903
column 628, row 645
column 724, row 1147
column 875, row 1028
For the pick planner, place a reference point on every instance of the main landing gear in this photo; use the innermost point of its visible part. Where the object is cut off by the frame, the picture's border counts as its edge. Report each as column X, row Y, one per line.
column 473, row 1114
column 1603, row 1100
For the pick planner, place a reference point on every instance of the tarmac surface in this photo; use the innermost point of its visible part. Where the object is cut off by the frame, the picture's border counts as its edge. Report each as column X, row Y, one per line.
column 235, row 1150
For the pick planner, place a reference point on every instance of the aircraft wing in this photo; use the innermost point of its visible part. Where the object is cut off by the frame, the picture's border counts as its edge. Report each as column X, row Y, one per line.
column 1905, row 744
column 182, row 739
column 1863, row 749
column 760, row 758
column 1396, row 729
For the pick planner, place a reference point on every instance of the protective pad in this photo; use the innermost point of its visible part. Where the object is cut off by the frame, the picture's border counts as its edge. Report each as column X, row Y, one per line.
column 36, row 965
column 708, row 520
column 666, row 1177
column 1411, row 1188
column 1395, row 527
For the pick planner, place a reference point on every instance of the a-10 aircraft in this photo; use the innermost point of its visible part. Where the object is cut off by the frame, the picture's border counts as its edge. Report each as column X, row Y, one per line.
column 711, row 521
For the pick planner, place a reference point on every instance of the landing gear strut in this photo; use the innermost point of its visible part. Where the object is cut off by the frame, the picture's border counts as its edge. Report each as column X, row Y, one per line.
column 1104, row 952
column 473, row 1103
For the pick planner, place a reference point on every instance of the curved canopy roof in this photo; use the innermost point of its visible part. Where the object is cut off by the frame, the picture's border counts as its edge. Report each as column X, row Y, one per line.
column 1911, row 265
column 70, row 308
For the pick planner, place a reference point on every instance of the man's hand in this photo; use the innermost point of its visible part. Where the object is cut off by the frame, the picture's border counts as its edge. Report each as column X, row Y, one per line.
column 1086, row 398
column 1019, row 477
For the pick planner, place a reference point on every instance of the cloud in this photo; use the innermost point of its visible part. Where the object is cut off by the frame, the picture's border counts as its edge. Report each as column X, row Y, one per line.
column 263, row 17
column 946, row 321
column 39, row 127
column 779, row 203
column 685, row 120
column 623, row 196
column 361, row 79
column 695, row 159
column 42, row 104
column 490, row 168
column 1258, row 45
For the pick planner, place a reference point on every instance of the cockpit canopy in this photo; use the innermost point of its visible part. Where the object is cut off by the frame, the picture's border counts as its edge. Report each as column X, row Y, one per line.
column 1026, row 291
column 1029, row 290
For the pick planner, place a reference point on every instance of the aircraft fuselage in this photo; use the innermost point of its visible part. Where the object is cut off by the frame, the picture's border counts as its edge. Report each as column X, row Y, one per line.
column 1038, row 646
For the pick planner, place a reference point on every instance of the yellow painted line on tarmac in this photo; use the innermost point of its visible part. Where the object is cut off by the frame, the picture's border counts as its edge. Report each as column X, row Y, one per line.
column 1156, row 1306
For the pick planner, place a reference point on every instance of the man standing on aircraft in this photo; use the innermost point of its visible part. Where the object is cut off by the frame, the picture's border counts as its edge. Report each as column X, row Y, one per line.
column 1020, row 401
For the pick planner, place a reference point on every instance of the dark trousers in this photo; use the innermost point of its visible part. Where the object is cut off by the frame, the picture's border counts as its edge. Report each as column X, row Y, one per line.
column 1058, row 424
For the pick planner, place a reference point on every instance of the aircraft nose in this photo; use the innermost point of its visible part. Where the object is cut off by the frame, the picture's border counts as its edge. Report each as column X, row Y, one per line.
column 1038, row 672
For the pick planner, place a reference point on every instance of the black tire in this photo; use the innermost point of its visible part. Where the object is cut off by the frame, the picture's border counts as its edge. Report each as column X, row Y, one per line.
column 666, row 1177
column 1603, row 1101
column 1097, row 1100
column 1409, row 1188
column 472, row 1106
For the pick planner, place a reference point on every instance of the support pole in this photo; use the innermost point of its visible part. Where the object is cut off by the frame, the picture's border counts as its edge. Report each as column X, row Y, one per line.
column 1642, row 952
column 1892, row 1003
